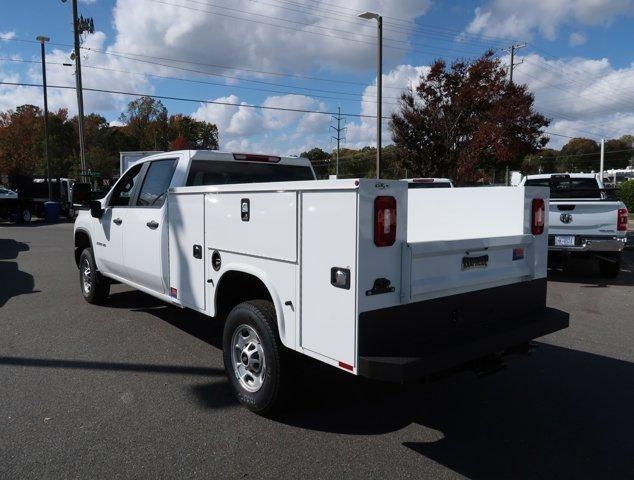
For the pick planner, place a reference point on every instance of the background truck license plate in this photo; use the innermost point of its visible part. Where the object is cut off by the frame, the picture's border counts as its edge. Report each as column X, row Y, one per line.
column 564, row 240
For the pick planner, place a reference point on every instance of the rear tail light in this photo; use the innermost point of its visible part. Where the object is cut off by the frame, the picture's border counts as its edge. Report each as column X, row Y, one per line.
column 539, row 215
column 384, row 221
column 621, row 224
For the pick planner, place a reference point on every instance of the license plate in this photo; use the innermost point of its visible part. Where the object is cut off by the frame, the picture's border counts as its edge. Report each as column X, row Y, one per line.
column 475, row 262
column 564, row 240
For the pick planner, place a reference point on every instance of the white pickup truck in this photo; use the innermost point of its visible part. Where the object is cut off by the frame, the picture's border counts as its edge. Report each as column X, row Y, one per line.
column 364, row 275
column 583, row 219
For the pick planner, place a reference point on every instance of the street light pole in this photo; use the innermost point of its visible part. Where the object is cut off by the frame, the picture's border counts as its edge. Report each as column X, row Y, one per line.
column 42, row 41
column 379, row 85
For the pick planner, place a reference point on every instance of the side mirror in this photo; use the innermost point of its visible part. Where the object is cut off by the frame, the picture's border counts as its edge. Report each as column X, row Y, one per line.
column 80, row 194
column 95, row 209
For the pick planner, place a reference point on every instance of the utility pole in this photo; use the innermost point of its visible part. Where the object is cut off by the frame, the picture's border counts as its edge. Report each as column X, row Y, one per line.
column 512, row 51
column 80, row 25
column 514, row 48
column 602, row 163
column 42, row 41
column 338, row 129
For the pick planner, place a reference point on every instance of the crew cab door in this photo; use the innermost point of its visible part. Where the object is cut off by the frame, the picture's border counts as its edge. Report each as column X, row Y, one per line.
column 145, row 232
column 108, row 230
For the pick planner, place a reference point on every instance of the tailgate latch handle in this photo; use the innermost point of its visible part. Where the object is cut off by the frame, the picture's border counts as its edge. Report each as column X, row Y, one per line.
column 381, row 285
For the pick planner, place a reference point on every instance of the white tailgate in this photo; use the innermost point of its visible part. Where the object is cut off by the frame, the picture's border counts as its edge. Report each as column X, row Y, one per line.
column 329, row 231
column 586, row 218
column 186, row 229
column 435, row 269
column 270, row 232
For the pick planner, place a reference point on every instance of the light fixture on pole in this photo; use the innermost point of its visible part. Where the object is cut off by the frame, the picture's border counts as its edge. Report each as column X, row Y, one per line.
column 42, row 41
column 379, row 84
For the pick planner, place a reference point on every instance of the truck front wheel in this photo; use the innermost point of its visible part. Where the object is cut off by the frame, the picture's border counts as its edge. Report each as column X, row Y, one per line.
column 610, row 268
column 94, row 287
column 252, row 354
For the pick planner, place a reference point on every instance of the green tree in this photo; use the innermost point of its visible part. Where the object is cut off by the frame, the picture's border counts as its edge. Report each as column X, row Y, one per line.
column 185, row 132
column 146, row 121
column 320, row 160
column 465, row 119
column 579, row 154
column 541, row 162
column 617, row 154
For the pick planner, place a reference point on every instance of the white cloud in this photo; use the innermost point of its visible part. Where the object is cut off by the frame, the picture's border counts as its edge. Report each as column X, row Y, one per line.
column 522, row 18
column 583, row 97
column 577, row 38
column 7, row 35
column 363, row 132
column 98, row 72
column 266, row 36
column 245, row 128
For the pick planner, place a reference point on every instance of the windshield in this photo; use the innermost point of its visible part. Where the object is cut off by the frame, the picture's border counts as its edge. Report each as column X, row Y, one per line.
column 566, row 187
column 212, row 172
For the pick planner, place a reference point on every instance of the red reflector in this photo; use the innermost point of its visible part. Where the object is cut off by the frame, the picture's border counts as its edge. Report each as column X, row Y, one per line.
column 384, row 221
column 346, row 366
column 250, row 157
column 621, row 224
column 539, row 215
column 173, row 292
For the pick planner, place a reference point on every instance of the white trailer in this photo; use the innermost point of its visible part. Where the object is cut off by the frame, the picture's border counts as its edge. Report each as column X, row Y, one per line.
column 364, row 275
column 127, row 159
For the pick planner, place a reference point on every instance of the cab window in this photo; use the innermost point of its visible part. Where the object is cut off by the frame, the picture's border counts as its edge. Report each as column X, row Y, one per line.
column 124, row 189
column 157, row 181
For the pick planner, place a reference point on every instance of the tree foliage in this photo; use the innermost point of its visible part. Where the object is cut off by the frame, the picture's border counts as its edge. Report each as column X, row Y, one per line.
column 465, row 119
column 625, row 192
column 147, row 126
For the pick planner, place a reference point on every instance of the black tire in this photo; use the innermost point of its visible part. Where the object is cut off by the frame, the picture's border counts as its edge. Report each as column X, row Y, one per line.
column 94, row 287
column 24, row 215
column 610, row 269
column 258, row 315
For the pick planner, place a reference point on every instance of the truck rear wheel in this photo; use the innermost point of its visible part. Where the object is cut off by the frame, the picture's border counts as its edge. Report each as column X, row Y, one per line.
column 23, row 215
column 610, row 269
column 94, row 287
column 252, row 354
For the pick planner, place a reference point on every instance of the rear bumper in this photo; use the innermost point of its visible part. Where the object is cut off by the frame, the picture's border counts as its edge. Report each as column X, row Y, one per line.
column 590, row 244
column 441, row 334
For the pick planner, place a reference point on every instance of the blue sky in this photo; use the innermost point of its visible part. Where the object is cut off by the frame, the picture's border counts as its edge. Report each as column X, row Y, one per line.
column 316, row 55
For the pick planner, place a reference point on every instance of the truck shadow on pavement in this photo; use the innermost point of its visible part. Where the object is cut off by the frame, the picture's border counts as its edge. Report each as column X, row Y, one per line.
column 586, row 271
column 557, row 413
column 13, row 281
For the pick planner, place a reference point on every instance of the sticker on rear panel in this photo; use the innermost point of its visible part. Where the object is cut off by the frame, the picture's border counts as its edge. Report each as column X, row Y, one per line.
column 518, row 253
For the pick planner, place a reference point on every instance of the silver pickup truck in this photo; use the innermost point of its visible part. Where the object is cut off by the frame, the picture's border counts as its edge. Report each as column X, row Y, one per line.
column 583, row 219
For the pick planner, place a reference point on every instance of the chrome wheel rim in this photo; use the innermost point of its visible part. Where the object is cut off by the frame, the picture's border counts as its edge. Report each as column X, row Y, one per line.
column 86, row 276
column 248, row 359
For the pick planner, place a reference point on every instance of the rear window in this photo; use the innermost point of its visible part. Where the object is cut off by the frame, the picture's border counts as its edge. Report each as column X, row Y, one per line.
column 568, row 187
column 428, row 185
column 211, row 172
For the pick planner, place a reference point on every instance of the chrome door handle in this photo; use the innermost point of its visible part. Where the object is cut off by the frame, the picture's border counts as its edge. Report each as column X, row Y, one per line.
column 152, row 224
column 117, row 221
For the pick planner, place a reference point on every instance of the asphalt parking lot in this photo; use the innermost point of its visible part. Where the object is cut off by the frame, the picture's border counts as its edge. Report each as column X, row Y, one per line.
column 136, row 388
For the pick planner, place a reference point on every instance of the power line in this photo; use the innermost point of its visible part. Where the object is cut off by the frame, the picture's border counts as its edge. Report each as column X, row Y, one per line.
column 193, row 100
column 298, row 29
